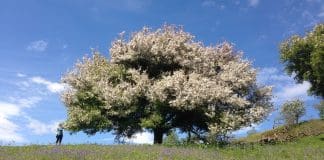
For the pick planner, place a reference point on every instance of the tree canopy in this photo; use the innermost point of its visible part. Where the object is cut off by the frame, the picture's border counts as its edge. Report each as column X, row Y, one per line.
column 304, row 58
column 160, row 80
column 292, row 111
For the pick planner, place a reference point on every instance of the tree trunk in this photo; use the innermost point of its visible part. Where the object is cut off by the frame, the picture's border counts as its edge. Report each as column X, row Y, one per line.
column 189, row 137
column 158, row 136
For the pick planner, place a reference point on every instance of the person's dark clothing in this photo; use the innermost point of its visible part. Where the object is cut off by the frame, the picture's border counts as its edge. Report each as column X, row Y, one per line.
column 59, row 139
column 59, row 135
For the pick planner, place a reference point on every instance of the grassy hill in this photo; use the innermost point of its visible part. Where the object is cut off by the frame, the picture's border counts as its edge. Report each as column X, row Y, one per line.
column 311, row 148
column 284, row 133
column 304, row 147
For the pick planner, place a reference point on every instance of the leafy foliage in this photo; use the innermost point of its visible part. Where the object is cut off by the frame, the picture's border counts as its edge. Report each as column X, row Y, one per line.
column 171, row 139
column 304, row 58
column 161, row 80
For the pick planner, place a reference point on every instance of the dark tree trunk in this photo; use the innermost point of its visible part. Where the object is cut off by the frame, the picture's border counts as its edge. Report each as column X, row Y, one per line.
column 189, row 137
column 158, row 136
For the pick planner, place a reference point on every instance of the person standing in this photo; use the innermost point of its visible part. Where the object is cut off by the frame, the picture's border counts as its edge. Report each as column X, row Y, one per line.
column 59, row 134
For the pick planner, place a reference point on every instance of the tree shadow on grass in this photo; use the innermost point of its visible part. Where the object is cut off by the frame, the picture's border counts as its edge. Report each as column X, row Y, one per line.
column 322, row 139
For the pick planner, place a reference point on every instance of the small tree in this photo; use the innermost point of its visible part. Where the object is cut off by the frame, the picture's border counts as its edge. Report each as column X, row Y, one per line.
column 171, row 138
column 320, row 108
column 292, row 111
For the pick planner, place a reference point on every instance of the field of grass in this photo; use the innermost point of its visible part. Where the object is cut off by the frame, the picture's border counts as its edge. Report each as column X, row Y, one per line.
column 283, row 133
column 305, row 148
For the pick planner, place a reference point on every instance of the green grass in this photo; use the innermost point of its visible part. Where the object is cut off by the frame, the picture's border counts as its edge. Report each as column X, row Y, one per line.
column 307, row 143
column 304, row 148
column 283, row 133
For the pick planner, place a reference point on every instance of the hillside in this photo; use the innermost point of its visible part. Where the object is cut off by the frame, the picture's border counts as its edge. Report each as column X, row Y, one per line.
column 303, row 141
column 284, row 133
column 311, row 147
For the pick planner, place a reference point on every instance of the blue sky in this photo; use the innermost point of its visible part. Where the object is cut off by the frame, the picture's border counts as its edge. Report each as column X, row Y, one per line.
column 41, row 39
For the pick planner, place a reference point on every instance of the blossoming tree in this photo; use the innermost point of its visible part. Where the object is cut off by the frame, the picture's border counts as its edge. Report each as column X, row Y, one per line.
column 160, row 80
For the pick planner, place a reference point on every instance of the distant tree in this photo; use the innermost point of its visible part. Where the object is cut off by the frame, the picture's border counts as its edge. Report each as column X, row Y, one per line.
column 171, row 138
column 320, row 108
column 303, row 57
column 292, row 111
column 161, row 80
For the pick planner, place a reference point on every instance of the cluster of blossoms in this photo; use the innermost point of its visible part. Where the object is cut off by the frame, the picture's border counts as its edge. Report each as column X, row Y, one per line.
column 169, row 67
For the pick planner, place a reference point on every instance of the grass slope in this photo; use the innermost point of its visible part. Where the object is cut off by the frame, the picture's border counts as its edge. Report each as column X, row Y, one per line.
column 305, row 148
column 308, row 144
column 284, row 133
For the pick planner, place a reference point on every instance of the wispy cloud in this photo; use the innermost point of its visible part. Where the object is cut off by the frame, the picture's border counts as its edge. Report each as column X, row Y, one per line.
column 28, row 102
column 309, row 13
column 285, row 87
column 38, row 46
column 8, row 109
column 30, row 92
column 53, row 87
column 292, row 91
column 253, row 3
column 270, row 75
column 21, row 75
column 8, row 129
column 40, row 128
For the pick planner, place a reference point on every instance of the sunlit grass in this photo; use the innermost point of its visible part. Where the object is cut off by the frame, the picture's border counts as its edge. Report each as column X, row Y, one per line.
column 305, row 148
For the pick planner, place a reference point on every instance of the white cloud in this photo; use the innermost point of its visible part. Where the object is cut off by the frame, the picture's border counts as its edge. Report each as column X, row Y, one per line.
column 141, row 138
column 8, row 129
column 51, row 86
column 285, row 87
column 21, row 75
column 253, row 3
column 270, row 75
column 28, row 102
column 28, row 95
column 294, row 91
column 8, row 109
column 39, row 128
column 39, row 46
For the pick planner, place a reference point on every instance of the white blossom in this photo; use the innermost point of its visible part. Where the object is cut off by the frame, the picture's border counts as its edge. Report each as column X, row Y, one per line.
column 168, row 66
